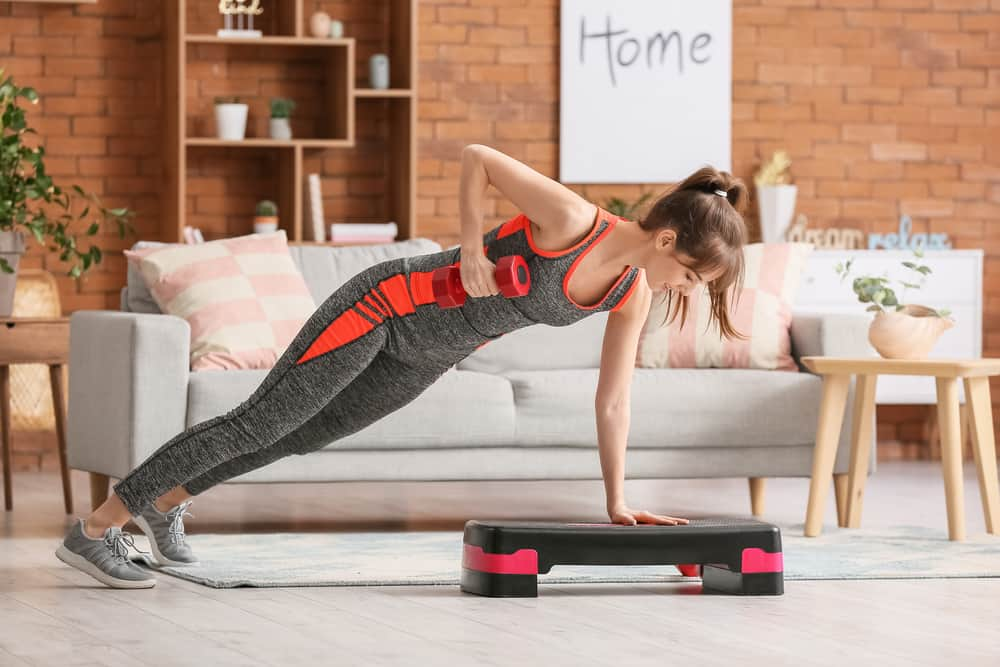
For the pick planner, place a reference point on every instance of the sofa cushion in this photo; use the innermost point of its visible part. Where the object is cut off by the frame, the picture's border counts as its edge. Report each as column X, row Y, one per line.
column 671, row 407
column 461, row 409
column 244, row 297
column 763, row 313
column 324, row 268
column 542, row 347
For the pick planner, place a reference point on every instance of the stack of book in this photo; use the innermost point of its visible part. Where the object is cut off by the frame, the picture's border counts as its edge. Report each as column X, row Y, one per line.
column 361, row 232
column 193, row 235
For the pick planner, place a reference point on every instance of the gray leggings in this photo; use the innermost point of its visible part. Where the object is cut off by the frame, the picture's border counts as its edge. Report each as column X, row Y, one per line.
column 301, row 406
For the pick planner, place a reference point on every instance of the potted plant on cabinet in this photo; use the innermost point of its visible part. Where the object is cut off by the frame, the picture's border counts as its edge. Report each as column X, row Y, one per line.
column 30, row 201
column 775, row 197
column 898, row 331
column 281, row 111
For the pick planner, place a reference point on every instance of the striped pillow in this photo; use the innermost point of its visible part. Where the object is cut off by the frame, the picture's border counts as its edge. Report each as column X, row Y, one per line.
column 244, row 297
column 764, row 314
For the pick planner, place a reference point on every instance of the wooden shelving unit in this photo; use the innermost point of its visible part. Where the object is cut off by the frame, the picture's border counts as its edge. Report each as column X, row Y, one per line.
column 194, row 54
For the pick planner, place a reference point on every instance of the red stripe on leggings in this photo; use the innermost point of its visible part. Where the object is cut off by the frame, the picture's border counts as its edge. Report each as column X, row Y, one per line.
column 348, row 326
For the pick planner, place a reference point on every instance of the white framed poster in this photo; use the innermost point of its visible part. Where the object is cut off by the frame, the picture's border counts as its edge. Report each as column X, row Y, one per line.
column 645, row 90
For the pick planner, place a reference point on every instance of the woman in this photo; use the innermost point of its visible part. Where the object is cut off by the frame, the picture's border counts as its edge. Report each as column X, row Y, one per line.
column 380, row 340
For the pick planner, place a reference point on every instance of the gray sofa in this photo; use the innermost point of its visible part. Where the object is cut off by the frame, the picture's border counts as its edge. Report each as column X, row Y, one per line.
column 520, row 408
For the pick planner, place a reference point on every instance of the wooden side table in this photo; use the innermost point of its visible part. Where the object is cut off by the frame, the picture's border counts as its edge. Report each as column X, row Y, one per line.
column 35, row 340
column 837, row 372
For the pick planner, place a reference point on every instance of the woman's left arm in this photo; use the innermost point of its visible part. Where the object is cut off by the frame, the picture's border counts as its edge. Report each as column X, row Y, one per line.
column 612, row 404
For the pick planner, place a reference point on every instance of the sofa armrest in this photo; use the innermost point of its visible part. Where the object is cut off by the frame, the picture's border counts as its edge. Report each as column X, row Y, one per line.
column 830, row 334
column 128, row 384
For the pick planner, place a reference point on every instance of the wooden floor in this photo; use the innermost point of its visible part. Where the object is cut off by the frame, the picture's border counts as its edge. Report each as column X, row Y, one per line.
column 51, row 614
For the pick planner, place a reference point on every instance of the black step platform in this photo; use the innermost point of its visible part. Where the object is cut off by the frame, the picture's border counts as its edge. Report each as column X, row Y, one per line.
column 738, row 556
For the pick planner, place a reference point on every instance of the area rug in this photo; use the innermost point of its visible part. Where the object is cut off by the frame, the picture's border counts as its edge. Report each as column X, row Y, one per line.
column 434, row 558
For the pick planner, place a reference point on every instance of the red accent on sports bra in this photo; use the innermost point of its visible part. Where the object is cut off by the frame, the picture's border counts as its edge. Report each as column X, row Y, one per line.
column 576, row 262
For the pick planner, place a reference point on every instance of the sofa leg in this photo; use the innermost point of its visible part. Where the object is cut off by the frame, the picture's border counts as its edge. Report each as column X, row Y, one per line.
column 99, row 485
column 757, row 496
column 840, row 494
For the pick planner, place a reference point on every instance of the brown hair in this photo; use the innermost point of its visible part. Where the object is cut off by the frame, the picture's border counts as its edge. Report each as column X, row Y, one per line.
column 710, row 229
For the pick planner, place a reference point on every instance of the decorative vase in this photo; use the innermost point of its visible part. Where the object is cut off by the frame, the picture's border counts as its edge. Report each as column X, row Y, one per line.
column 231, row 121
column 319, row 24
column 909, row 333
column 378, row 71
column 11, row 248
column 776, row 204
column 336, row 29
column 280, row 128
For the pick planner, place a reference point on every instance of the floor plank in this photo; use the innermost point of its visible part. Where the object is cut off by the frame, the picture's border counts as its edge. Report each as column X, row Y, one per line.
column 52, row 614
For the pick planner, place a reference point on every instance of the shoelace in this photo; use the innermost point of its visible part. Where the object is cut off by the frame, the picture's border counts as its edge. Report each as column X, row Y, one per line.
column 176, row 518
column 119, row 545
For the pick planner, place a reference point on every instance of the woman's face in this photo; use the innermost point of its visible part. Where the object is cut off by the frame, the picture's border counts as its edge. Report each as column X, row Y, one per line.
column 668, row 269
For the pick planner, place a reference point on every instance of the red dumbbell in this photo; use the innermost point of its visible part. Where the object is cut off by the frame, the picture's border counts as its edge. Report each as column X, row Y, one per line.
column 512, row 277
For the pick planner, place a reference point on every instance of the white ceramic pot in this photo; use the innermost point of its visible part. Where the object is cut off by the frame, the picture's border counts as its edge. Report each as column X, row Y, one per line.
column 907, row 334
column 776, row 204
column 231, row 121
column 265, row 224
column 11, row 248
column 280, row 128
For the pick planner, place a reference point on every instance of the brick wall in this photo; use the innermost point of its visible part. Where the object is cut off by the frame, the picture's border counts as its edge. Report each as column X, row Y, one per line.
column 887, row 107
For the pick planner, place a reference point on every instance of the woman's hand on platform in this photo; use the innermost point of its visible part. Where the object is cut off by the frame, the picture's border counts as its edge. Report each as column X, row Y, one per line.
column 630, row 517
column 478, row 274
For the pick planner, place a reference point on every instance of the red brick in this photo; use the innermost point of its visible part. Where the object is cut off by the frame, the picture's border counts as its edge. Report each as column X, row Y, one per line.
column 869, row 132
column 846, row 75
column 899, row 151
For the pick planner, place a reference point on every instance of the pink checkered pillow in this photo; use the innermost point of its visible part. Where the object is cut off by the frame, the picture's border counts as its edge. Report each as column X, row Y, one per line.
column 244, row 297
column 764, row 313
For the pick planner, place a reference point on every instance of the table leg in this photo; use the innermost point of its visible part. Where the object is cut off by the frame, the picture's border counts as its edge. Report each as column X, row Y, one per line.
column 861, row 446
column 59, row 408
column 840, row 495
column 977, row 398
column 8, row 491
column 951, row 455
column 831, row 418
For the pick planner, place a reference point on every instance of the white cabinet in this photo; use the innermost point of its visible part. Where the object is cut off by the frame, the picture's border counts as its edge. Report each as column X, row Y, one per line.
column 955, row 283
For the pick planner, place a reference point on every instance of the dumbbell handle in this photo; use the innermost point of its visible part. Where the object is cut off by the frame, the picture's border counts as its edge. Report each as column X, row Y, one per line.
column 512, row 276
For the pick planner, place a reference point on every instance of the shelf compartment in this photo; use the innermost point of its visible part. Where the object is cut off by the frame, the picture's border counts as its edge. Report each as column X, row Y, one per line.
column 257, row 75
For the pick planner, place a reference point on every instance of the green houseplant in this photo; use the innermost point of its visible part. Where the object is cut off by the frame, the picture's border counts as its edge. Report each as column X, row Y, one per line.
column 30, row 202
column 265, row 217
column 899, row 330
column 625, row 209
column 281, row 111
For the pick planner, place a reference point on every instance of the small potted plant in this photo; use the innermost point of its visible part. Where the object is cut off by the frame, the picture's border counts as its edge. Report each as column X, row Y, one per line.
column 230, row 118
column 621, row 207
column 775, row 197
column 266, row 219
column 898, row 331
column 281, row 110
column 31, row 202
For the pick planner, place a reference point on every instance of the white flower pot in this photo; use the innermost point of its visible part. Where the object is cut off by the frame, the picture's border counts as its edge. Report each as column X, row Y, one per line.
column 776, row 204
column 280, row 128
column 231, row 121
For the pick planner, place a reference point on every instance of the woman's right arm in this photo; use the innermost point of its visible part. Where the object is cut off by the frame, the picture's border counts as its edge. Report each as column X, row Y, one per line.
column 545, row 202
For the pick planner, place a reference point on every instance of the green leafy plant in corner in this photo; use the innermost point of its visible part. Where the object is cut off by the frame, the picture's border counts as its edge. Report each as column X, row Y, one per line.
column 28, row 196
column 282, row 107
column 621, row 207
column 876, row 290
